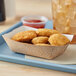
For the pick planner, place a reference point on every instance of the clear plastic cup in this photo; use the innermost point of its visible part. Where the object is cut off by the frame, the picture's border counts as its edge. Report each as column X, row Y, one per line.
column 34, row 21
column 64, row 15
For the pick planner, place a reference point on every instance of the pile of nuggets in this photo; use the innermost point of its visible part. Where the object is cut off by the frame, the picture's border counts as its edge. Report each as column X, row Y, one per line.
column 43, row 37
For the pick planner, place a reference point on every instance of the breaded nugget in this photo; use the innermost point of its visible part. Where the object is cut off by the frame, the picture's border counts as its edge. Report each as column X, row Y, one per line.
column 43, row 44
column 24, row 36
column 58, row 40
column 46, row 32
column 40, row 40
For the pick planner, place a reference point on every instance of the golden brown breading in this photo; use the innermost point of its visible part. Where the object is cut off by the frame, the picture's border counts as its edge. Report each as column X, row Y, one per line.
column 40, row 40
column 24, row 36
column 58, row 40
column 43, row 44
column 46, row 32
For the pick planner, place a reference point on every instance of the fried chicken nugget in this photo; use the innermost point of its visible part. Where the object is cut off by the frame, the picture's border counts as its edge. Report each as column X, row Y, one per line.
column 46, row 32
column 58, row 40
column 24, row 36
column 40, row 40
